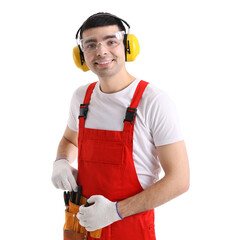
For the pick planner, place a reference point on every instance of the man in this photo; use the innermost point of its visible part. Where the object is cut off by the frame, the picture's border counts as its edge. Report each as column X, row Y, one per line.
column 119, row 157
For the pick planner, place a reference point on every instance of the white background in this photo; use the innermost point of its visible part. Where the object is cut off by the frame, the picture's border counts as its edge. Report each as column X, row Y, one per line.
column 186, row 50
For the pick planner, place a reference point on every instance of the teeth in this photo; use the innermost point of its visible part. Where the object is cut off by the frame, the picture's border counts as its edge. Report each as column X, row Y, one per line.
column 104, row 62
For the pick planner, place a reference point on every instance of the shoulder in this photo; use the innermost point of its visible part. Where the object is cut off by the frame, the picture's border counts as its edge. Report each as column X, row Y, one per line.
column 161, row 116
column 81, row 90
column 152, row 91
column 157, row 107
column 155, row 97
column 79, row 93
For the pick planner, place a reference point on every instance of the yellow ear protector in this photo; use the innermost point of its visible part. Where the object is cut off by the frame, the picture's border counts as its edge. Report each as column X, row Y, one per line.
column 130, row 41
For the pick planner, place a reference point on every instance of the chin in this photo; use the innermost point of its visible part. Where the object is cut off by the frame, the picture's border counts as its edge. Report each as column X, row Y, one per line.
column 105, row 74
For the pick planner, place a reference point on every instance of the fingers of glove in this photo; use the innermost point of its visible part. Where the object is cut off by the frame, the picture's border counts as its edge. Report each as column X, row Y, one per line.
column 74, row 172
column 86, row 214
column 82, row 219
column 83, row 210
column 72, row 183
column 86, row 223
column 56, row 186
column 80, row 216
column 55, row 180
column 60, row 185
column 66, row 185
column 83, row 223
column 54, row 183
column 94, row 198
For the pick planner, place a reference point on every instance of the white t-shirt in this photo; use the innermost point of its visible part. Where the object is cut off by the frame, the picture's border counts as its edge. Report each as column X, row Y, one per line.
column 156, row 122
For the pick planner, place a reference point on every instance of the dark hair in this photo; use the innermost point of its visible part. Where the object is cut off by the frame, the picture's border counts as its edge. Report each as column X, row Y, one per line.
column 101, row 19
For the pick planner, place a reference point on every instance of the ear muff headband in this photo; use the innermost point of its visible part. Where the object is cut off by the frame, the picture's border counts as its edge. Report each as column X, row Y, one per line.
column 130, row 41
column 102, row 14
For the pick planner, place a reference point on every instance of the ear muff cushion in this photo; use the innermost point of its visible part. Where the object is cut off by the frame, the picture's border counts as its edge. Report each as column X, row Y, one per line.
column 77, row 59
column 132, row 43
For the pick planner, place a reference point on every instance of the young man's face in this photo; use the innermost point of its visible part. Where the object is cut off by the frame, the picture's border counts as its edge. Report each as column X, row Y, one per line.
column 107, row 59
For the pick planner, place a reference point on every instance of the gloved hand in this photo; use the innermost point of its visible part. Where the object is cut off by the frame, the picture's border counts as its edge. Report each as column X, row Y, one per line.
column 64, row 176
column 101, row 214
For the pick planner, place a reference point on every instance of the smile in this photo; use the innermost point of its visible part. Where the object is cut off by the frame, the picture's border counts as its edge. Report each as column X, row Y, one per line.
column 104, row 63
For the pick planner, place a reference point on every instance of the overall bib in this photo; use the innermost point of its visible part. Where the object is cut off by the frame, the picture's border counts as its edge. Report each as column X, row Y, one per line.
column 106, row 167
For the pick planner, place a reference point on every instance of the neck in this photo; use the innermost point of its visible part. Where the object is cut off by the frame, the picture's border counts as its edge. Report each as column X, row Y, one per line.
column 116, row 83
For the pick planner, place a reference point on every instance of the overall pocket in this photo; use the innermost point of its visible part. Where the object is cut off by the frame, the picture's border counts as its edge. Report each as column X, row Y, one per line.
column 104, row 152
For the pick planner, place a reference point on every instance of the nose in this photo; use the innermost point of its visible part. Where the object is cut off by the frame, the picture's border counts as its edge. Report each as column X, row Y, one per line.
column 101, row 49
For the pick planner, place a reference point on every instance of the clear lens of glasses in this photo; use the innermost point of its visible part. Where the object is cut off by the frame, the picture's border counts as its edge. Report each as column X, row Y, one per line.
column 109, row 41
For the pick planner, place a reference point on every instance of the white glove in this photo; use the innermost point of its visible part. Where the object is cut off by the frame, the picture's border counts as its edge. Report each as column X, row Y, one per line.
column 101, row 214
column 64, row 176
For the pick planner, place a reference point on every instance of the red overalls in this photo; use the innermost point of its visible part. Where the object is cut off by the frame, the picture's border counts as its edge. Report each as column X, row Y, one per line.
column 106, row 167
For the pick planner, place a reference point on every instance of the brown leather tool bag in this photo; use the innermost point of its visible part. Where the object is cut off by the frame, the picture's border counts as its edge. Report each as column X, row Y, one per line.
column 70, row 235
column 72, row 228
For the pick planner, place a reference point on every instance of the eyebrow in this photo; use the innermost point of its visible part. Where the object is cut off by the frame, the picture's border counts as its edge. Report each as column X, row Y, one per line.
column 109, row 36
column 89, row 41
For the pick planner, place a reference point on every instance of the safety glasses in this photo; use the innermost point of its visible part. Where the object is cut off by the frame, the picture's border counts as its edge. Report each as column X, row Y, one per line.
column 109, row 41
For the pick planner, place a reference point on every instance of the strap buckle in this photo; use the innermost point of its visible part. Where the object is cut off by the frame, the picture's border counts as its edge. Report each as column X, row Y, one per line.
column 130, row 114
column 83, row 110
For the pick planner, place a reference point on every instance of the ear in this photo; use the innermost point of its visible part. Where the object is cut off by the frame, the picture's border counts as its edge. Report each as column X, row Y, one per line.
column 79, row 60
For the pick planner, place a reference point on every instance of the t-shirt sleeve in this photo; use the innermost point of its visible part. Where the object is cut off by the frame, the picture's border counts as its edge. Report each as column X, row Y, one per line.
column 74, row 110
column 165, row 124
column 73, row 113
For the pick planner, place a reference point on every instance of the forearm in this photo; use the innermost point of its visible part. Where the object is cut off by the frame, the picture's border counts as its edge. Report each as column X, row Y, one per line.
column 67, row 150
column 154, row 196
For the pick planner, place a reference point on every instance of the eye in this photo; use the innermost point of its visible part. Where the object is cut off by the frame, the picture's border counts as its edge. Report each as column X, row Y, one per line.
column 112, row 42
column 90, row 46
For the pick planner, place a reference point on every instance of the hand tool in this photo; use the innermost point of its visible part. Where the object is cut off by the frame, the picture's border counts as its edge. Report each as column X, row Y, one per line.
column 73, row 197
column 86, row 204
column 79, row 195
column 66, row 199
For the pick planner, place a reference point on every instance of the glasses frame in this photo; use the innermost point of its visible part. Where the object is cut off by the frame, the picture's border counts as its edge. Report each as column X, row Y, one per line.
column 119, row 35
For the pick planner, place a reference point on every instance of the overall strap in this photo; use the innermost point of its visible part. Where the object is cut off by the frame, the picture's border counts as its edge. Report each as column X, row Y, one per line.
column 130, row 113
column 129, row 120
column 84, row 106
column 89, row 92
